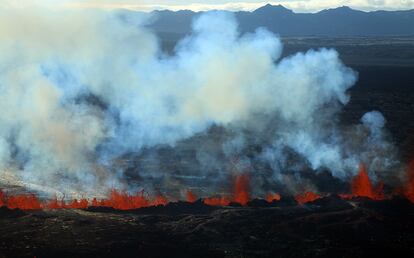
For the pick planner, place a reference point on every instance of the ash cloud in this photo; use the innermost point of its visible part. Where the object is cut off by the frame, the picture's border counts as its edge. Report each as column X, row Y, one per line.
column 82, row 89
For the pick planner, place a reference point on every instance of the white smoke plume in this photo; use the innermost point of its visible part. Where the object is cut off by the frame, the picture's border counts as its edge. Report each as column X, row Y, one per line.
column 81, row 88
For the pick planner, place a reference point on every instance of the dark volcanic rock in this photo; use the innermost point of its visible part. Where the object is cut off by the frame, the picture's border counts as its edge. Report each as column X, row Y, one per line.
column 397, row 206
column 285, row 201
column 323, row 228
column 101, row 209
column 331, row 202
column 259, row 203
column 174, row 208
column 235, row 204
column 11, row 213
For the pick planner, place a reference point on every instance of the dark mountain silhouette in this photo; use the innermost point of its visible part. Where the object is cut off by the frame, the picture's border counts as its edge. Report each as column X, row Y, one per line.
column 342, row 21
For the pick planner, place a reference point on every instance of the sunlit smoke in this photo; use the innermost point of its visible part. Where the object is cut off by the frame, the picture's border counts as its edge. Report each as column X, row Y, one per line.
column 82, row 88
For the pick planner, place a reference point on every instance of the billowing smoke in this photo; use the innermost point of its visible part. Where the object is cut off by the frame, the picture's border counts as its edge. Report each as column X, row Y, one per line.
column 84, row 93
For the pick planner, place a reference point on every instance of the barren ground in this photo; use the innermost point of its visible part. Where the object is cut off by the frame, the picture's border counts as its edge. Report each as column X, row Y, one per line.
column 328, row 227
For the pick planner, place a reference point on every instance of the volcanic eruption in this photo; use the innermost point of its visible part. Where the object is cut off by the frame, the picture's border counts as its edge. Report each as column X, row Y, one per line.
column 99, row 115
column 225, row 146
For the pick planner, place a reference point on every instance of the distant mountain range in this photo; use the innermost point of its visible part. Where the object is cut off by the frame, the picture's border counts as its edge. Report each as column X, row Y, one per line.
column 337, row 22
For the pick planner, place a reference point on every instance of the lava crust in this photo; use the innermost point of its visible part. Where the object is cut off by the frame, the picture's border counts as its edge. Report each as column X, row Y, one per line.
column 327, row 227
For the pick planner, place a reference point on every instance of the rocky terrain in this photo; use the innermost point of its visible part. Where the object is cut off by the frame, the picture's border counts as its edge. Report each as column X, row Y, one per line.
column 328, row 227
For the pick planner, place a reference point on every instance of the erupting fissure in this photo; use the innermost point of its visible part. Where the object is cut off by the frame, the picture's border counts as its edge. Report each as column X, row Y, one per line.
column 24, row 202
column 361, row 186
column 117, row 200
column 241, row 193
column 307, row 197
column 409, row 186
column 273, row 197
column 242, row 189
column 190, row 196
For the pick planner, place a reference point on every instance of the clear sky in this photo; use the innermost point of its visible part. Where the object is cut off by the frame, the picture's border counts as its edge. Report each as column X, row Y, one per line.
column 147, row 5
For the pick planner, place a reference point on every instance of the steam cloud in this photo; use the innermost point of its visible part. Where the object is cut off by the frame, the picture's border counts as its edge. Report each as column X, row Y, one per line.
column 80, row 89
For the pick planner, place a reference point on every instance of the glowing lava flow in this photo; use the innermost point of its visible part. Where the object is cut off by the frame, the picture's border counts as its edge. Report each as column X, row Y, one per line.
column 24, row 202
column 241, row 193
column 273, row 197
column 242, row 189
column 216, row 201
column 74, row 204
column 117, row 200
column 125, row 201
column 2, row 198
column 361, row 186
column 190, row 196
column 409, row 186
column 307, row 197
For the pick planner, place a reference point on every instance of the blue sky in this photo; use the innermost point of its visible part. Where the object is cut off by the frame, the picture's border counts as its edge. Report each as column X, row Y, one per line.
column 147, row 5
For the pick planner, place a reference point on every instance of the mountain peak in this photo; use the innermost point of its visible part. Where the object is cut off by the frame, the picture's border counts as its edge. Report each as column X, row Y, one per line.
column 268, row 8
column 342, row 9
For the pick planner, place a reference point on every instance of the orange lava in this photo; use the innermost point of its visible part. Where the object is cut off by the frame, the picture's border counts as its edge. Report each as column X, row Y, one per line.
column 2, row 198
column 190, row 196
column 124, row 201
column 75, row 204
column 24, row 202
column 242, row 189
column 409, row 186
column 54, row 204
column 216, row 201
column 241, row 193
column 271, row 197
column 307, row 197
column 117, row 200
column 159, row 200
column 361, row 186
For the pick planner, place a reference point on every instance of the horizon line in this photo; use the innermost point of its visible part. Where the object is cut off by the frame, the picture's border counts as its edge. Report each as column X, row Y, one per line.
column 231, row 7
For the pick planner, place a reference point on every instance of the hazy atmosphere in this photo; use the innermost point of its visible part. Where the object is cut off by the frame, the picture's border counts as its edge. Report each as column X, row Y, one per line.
column 144, row 5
